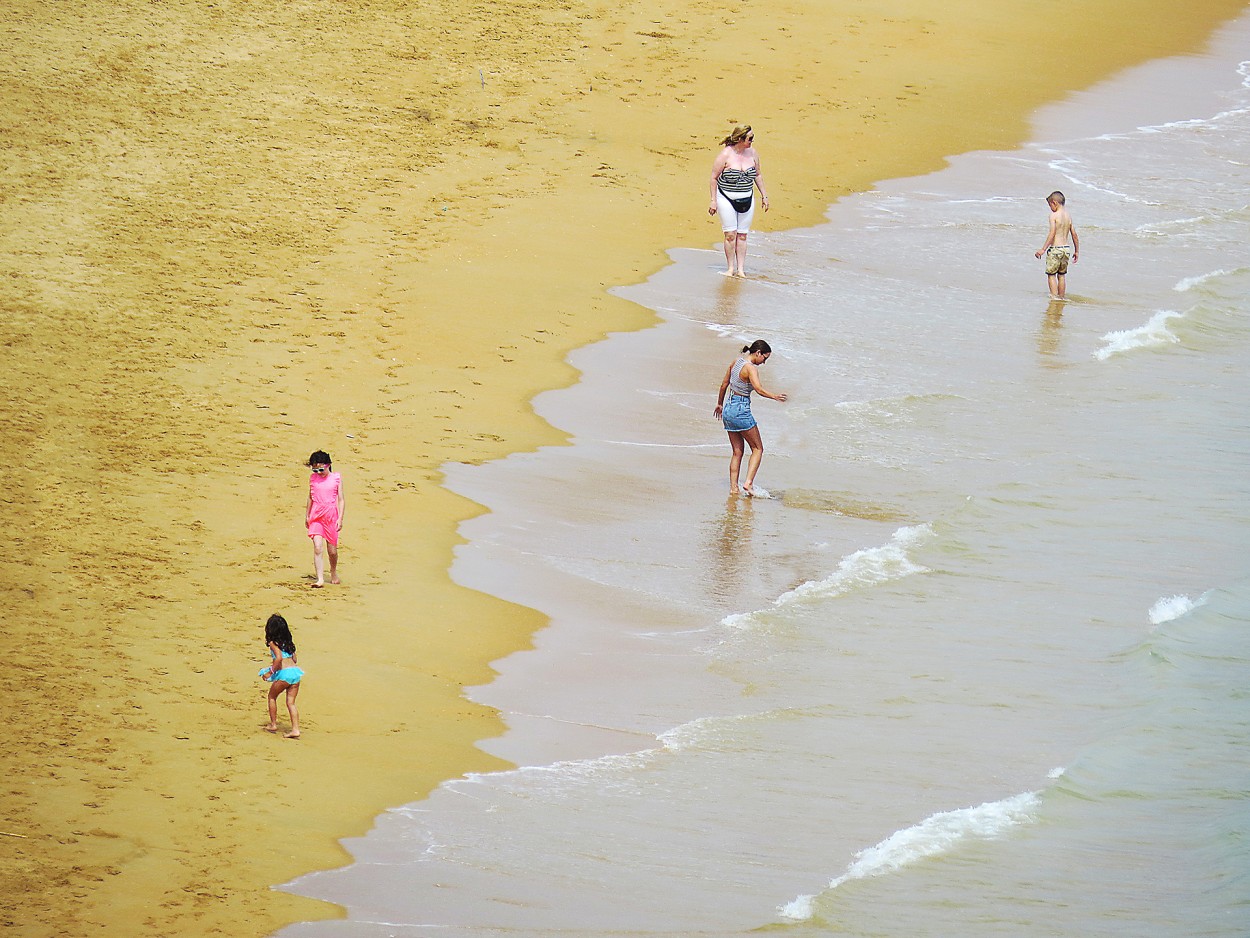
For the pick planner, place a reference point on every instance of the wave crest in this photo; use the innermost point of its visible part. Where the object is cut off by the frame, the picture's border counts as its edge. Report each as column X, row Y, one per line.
column 1154, row 333
column 868, row 567
column 938, row 834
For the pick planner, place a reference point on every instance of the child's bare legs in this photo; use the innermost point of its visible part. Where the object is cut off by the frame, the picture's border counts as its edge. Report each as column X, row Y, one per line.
column 274, row 690
column 731, row 239
column 292, row 691
column 735, row 460
column 333, row 551
column 740, row 253
column 753, row 440
column 1061, row 282
column 319, row 560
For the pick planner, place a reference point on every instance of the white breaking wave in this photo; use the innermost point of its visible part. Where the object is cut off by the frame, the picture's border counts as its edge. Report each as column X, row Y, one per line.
column 733, row 733
column 724, row 330
column 610, row 772
column 644, row 444
column 1153, row 333
column 1168, row 228
column 868, row 567
column 1173, row 607
column 1190, row 282
column 1067, row 167
column 935, row 835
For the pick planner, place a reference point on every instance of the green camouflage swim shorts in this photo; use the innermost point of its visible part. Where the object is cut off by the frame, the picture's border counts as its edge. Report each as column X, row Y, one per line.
column 1057, row 259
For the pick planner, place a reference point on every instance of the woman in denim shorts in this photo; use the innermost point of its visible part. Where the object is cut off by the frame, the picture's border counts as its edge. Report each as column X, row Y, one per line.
column 741, row 378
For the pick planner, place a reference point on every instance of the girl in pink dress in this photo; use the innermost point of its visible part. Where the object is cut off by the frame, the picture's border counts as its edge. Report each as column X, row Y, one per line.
column 324, row 515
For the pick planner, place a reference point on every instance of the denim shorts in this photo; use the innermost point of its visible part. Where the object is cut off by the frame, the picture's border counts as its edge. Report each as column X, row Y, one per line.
column 736, row 414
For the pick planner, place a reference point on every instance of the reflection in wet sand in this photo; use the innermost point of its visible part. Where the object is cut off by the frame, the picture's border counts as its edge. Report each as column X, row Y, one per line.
column 839, row 504
column 731, row 545
column 1052, row 324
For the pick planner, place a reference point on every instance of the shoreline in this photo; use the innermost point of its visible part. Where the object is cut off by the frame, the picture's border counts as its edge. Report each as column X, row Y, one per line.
column 681, row 621
column 179, row 448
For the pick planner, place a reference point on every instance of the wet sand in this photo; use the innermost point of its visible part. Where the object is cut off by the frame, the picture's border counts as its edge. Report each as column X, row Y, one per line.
column 233, row 235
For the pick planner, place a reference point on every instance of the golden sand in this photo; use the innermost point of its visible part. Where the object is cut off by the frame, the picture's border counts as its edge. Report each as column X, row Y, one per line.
column 237, row 232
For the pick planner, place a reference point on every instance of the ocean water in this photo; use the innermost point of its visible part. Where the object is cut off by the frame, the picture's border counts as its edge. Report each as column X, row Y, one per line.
column 975, row 662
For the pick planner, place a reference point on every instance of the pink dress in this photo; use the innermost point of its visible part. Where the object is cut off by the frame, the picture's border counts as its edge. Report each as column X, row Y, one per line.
column 323, row 519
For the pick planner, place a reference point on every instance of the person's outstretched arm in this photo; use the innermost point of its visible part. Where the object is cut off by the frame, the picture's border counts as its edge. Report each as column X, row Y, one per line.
column 753, row 374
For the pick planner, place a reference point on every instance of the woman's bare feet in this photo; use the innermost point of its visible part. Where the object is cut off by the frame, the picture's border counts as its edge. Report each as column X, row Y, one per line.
column 270, row 729
column 292, row 735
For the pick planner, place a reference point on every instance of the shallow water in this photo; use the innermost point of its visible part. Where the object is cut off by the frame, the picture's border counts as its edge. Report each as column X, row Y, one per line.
column 975, row 664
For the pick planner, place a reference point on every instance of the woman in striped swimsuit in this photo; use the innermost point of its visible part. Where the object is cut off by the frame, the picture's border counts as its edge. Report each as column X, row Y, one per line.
column 735, row 177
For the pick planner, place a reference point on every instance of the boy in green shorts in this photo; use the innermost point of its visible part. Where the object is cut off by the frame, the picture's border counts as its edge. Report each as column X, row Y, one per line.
column 1057, row 250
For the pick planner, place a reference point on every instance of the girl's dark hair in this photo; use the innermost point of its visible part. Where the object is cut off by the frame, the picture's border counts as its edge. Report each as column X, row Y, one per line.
column 759, row 345
column 278, row 632
column 319, row 456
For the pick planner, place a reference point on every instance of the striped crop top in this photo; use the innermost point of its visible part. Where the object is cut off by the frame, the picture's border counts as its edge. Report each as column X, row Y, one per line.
column 737, row 183
column 736, row 384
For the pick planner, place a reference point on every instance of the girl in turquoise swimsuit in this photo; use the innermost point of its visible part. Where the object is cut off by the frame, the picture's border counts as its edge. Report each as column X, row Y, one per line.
column 283, row 674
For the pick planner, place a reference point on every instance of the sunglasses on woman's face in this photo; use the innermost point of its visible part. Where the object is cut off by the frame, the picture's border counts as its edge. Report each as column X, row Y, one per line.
column 321, row 469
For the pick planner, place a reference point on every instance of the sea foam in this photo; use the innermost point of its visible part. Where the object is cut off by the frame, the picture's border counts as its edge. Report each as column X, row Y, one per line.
column 1153, row 333
column 863, row 568
column 1173, row 607
column 1188, row 283
column 938, row 834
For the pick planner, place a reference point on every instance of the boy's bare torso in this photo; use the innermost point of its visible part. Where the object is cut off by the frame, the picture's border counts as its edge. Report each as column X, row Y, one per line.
column 1061, row 227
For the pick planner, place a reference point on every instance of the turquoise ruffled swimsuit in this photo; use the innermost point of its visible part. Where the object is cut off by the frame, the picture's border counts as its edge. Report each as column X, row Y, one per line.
column 291, row 675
